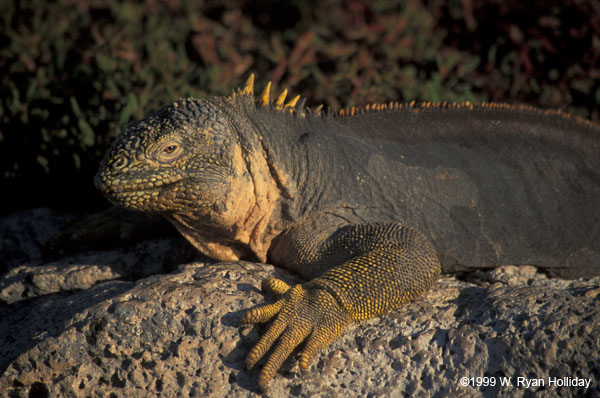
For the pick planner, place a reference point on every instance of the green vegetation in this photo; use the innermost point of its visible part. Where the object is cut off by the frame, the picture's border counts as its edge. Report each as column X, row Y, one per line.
column 74, row 73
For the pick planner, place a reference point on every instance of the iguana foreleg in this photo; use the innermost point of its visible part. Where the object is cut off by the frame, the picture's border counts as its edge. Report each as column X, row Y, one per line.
column 385, row 266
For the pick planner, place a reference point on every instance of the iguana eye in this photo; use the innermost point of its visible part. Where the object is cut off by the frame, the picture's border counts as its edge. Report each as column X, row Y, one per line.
column 169, row 150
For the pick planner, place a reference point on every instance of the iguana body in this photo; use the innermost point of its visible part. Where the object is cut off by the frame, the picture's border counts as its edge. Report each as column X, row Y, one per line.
column 363, row 203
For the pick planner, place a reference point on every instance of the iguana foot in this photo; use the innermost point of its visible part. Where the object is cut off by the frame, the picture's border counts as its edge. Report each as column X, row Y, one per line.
column 302, row 311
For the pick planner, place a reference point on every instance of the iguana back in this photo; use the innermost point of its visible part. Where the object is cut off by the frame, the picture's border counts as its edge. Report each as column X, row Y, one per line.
column 488, row 184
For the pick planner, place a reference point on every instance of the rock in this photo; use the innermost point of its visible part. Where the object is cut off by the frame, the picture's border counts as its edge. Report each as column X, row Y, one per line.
column 176, row 334
column 83, row 271
column 22, row 234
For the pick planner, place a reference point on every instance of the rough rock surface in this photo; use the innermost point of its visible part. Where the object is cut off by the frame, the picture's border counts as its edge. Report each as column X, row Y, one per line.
column 97, row 325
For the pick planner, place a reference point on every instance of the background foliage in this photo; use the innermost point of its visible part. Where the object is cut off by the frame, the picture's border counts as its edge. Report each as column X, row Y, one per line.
column 75, row 72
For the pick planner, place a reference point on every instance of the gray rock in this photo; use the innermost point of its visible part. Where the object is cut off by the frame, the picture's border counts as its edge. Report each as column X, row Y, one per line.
column 22, row 234
column 176, row 334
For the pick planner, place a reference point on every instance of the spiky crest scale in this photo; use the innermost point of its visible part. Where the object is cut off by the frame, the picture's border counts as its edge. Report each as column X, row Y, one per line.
column 249, row 86
column 280, row 99
column 264, row 97
column 292, row 103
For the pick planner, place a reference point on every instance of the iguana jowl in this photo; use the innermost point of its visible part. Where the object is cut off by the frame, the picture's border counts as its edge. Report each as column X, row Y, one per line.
column 364, row 203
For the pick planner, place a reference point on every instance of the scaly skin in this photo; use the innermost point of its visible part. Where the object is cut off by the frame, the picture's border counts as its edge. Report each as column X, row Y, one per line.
column 362, row 203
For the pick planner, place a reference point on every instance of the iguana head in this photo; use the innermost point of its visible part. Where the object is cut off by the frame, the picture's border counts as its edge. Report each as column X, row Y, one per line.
column 187, row 156
column 202, row 165
column 178, row 158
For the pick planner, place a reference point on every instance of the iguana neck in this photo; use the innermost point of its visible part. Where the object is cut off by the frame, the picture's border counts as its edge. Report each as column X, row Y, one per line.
column 295, row 148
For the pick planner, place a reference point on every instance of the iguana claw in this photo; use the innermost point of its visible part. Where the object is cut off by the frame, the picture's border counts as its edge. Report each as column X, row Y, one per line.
column 302, row 311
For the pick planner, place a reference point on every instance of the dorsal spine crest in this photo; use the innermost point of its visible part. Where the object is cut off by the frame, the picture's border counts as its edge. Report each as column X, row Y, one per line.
column 297, row 105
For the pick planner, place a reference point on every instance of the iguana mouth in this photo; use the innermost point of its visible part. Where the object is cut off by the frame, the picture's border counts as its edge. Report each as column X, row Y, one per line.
column 138, row 185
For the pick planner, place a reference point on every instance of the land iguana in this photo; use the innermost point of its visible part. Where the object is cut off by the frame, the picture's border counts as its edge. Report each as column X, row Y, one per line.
column 367, row 204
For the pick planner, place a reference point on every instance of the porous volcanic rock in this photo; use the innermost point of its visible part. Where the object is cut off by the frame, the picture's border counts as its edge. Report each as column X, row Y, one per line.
column 175, row 333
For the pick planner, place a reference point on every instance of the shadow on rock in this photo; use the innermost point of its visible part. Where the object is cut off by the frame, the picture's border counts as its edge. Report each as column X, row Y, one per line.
column 26, row 323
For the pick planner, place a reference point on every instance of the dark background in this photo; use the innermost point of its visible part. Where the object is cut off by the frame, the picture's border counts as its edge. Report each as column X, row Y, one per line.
column 74, row 72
